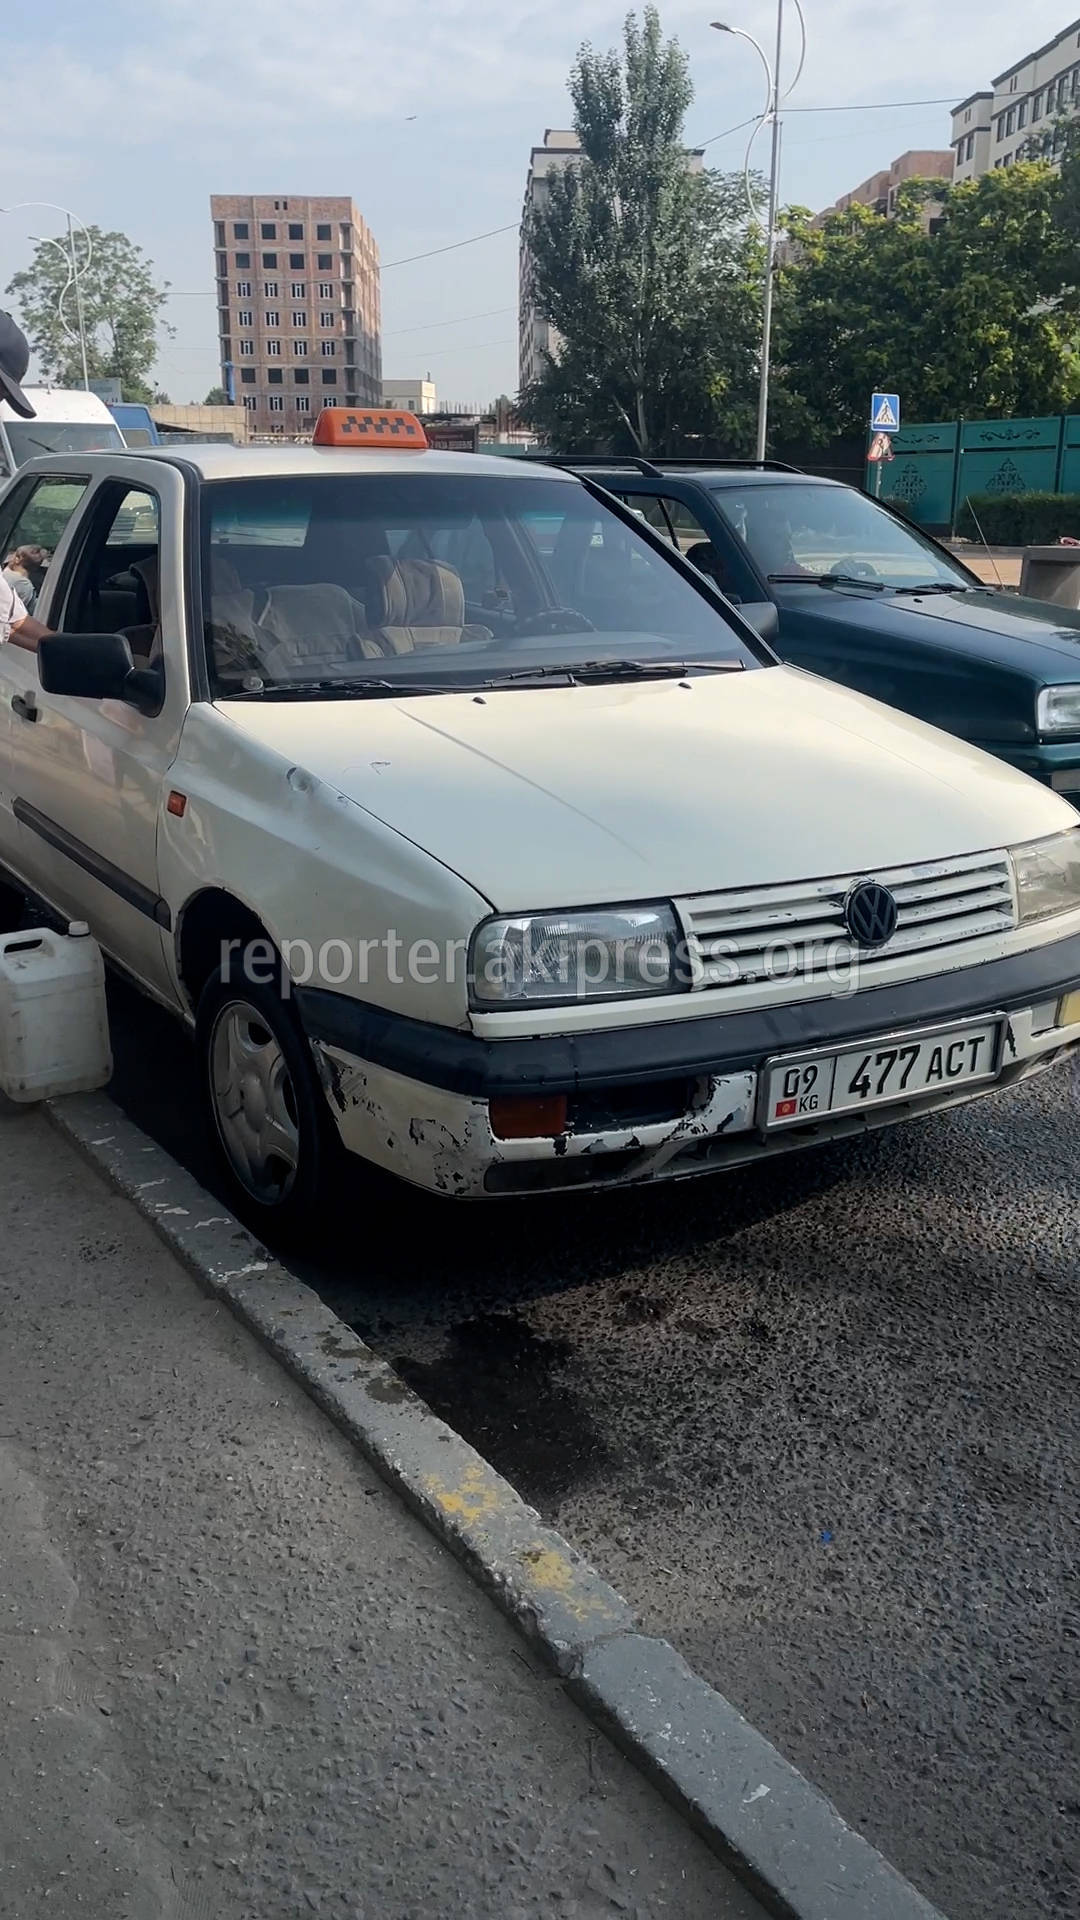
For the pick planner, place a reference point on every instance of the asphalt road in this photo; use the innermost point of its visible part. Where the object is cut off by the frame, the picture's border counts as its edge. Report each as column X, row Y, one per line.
column 820, row 1425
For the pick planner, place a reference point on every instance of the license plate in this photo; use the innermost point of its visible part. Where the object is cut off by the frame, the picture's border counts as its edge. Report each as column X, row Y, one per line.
column 801, row 1088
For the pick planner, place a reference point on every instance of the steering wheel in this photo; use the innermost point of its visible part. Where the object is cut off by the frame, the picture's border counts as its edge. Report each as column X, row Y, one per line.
column 553, row 620
column 856, row 568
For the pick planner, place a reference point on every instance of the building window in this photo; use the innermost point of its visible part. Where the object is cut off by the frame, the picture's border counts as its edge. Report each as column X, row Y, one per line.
column 299, row 348
column 970, row 145
column 1021, row 114
column 329, row 376
column 1007, row 160
column 269, row 260
column 247, row 349
column 301, row 377
column 245, row 317
column 329, row 349
column 1010, row 120
column 322, row 231
column 274, row 377
column 243, row 260
column 326, row 289
column 270, row 291
column 271, row 317
column 967, row 116
column 299, row 289
column 299, row 318
column 330, row 401
column 325, row 261
column 243, row 291
column 303, row 404
column 268, row 231
column 219, row 233
column 296, row 260
column 1036, row 107
column 327, row 317
column 250, row 402
column 247, row 376
column 1001, row 126
column 273, row 349
column 240, row 230
column 222, row 265
column 296, row 231
column 277, row 403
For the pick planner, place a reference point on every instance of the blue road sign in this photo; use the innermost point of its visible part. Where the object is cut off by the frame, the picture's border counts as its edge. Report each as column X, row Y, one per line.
column 885, row 413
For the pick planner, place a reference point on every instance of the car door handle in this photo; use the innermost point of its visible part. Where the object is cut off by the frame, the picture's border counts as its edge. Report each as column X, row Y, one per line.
column 25, row 705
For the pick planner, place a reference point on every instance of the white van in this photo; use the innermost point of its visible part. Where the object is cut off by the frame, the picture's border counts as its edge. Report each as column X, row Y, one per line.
column 65, row 420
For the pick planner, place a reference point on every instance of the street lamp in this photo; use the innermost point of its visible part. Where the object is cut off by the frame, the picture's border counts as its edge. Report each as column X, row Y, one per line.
column 772, row 112
column 72, row 219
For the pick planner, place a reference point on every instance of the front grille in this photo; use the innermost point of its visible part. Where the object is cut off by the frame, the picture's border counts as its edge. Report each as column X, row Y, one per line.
column 797, row 931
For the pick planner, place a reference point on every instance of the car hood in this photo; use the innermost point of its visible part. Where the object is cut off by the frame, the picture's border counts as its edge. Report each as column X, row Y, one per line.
column 566, row 796
column 1029, row 635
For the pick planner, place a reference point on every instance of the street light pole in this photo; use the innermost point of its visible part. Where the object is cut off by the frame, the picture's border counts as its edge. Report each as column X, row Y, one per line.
column 72, row 221
column 79, row 305
column 772, row 113
column 770, row 247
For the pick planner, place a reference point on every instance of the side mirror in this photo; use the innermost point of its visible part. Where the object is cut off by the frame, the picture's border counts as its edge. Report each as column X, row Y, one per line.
column 763, row 617
column 89, row 666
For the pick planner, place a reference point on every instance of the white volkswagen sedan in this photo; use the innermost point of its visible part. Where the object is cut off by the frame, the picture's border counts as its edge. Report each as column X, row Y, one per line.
column 470, row 829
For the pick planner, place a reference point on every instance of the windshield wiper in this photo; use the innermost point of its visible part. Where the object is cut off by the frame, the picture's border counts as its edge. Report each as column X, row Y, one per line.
column 937, row 586
column 827, row 580
column 580, row 671
column 326, row 689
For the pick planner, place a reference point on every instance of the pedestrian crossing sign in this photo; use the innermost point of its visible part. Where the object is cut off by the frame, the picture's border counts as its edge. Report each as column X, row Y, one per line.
column 885, row 413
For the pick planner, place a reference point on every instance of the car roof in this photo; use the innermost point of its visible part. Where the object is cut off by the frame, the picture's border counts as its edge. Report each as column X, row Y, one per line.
column 214, row 460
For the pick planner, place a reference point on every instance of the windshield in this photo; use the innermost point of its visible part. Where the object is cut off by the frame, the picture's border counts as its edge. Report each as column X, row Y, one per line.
column 435, row 581
column 30, row 437
column 815, row 530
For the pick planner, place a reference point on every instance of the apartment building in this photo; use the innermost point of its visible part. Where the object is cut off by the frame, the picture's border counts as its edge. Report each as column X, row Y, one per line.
column 415, row 395
column 298, row 307
column 536, row 339
column 880, row 191
column 998, row 126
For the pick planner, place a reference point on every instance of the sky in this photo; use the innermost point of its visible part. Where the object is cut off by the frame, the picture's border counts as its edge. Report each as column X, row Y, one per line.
column 425, row 111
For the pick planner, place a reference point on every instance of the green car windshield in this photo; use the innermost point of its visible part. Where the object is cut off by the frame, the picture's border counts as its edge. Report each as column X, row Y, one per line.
column 794, row 530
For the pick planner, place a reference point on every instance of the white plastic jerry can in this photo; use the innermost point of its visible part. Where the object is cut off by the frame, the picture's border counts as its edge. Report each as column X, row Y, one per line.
column 54, row 1023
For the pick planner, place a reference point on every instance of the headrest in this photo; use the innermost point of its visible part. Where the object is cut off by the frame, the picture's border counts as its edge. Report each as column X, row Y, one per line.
column 149, row 573
column 414, row 593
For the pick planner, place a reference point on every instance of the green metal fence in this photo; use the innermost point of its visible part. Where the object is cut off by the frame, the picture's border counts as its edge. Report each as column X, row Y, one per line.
column 937, row 465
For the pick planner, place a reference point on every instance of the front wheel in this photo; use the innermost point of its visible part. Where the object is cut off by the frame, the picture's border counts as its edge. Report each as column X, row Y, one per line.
column 268, row 1111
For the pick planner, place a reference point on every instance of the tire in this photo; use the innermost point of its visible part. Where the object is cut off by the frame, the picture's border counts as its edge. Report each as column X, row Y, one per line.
column 267, row 1110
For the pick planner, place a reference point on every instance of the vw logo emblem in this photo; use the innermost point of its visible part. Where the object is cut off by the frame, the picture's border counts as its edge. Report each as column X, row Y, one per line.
column 870, row 914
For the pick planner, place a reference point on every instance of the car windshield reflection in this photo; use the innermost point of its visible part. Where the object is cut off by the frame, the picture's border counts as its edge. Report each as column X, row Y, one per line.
column 797, row 531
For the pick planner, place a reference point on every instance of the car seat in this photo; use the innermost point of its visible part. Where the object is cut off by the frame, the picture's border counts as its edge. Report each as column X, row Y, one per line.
column 417, row 604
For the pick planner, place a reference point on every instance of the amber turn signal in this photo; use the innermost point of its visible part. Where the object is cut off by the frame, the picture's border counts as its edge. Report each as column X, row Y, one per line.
column 528, row 1116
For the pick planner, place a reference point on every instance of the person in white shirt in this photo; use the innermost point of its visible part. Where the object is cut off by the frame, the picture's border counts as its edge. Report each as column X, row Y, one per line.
column 16, row 625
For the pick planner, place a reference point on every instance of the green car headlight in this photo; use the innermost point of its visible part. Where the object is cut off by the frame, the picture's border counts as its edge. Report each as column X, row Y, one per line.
column 1058, row 710
column 611, row 953
column 1047, row 876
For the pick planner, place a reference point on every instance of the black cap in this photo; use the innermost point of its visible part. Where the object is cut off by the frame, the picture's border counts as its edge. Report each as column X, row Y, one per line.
column 14, row 360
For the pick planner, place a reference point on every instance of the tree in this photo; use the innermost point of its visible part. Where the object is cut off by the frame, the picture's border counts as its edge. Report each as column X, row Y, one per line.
column 974, row 318
column 121, row 305
column 217, row 397
column 643, row 265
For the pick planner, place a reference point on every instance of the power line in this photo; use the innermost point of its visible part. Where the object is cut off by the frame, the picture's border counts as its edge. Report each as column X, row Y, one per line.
column 511, row 227
column 429, row 326
column 866, row 106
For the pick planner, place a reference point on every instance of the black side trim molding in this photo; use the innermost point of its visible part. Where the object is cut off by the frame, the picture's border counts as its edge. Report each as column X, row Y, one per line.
column 460, row 1062
column 117, row 881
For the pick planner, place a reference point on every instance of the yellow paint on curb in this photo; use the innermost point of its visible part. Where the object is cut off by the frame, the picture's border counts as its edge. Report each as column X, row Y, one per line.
column 471, row 1498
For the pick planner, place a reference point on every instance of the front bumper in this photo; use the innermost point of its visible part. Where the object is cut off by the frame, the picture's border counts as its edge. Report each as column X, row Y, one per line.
column 654, row 1102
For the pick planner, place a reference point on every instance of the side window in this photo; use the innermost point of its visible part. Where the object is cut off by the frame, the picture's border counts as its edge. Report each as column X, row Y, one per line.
column 115, row 586
column 31, row 529
column 679, row 523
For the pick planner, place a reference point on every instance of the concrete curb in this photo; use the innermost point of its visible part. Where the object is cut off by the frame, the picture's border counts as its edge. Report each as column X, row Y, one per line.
column 779, row 1834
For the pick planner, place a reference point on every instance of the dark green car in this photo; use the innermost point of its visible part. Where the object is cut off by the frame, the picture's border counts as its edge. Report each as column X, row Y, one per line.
column 863, row 597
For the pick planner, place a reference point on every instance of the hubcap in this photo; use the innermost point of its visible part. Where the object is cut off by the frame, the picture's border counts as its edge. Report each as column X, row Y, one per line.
column 254, row 1103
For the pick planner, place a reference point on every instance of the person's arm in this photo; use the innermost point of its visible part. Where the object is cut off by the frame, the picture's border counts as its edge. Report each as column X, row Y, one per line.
column 28, row 632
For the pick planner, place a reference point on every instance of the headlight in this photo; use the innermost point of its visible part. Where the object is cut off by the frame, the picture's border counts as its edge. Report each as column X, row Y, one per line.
column 616, row 953
column 1058, row 710
column 1047, row 876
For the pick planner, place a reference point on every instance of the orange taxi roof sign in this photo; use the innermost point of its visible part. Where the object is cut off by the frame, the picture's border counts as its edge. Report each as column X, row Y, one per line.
column 368, row 427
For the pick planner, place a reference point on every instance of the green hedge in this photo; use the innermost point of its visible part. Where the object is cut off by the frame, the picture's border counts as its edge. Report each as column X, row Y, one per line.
column 1020, row 519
